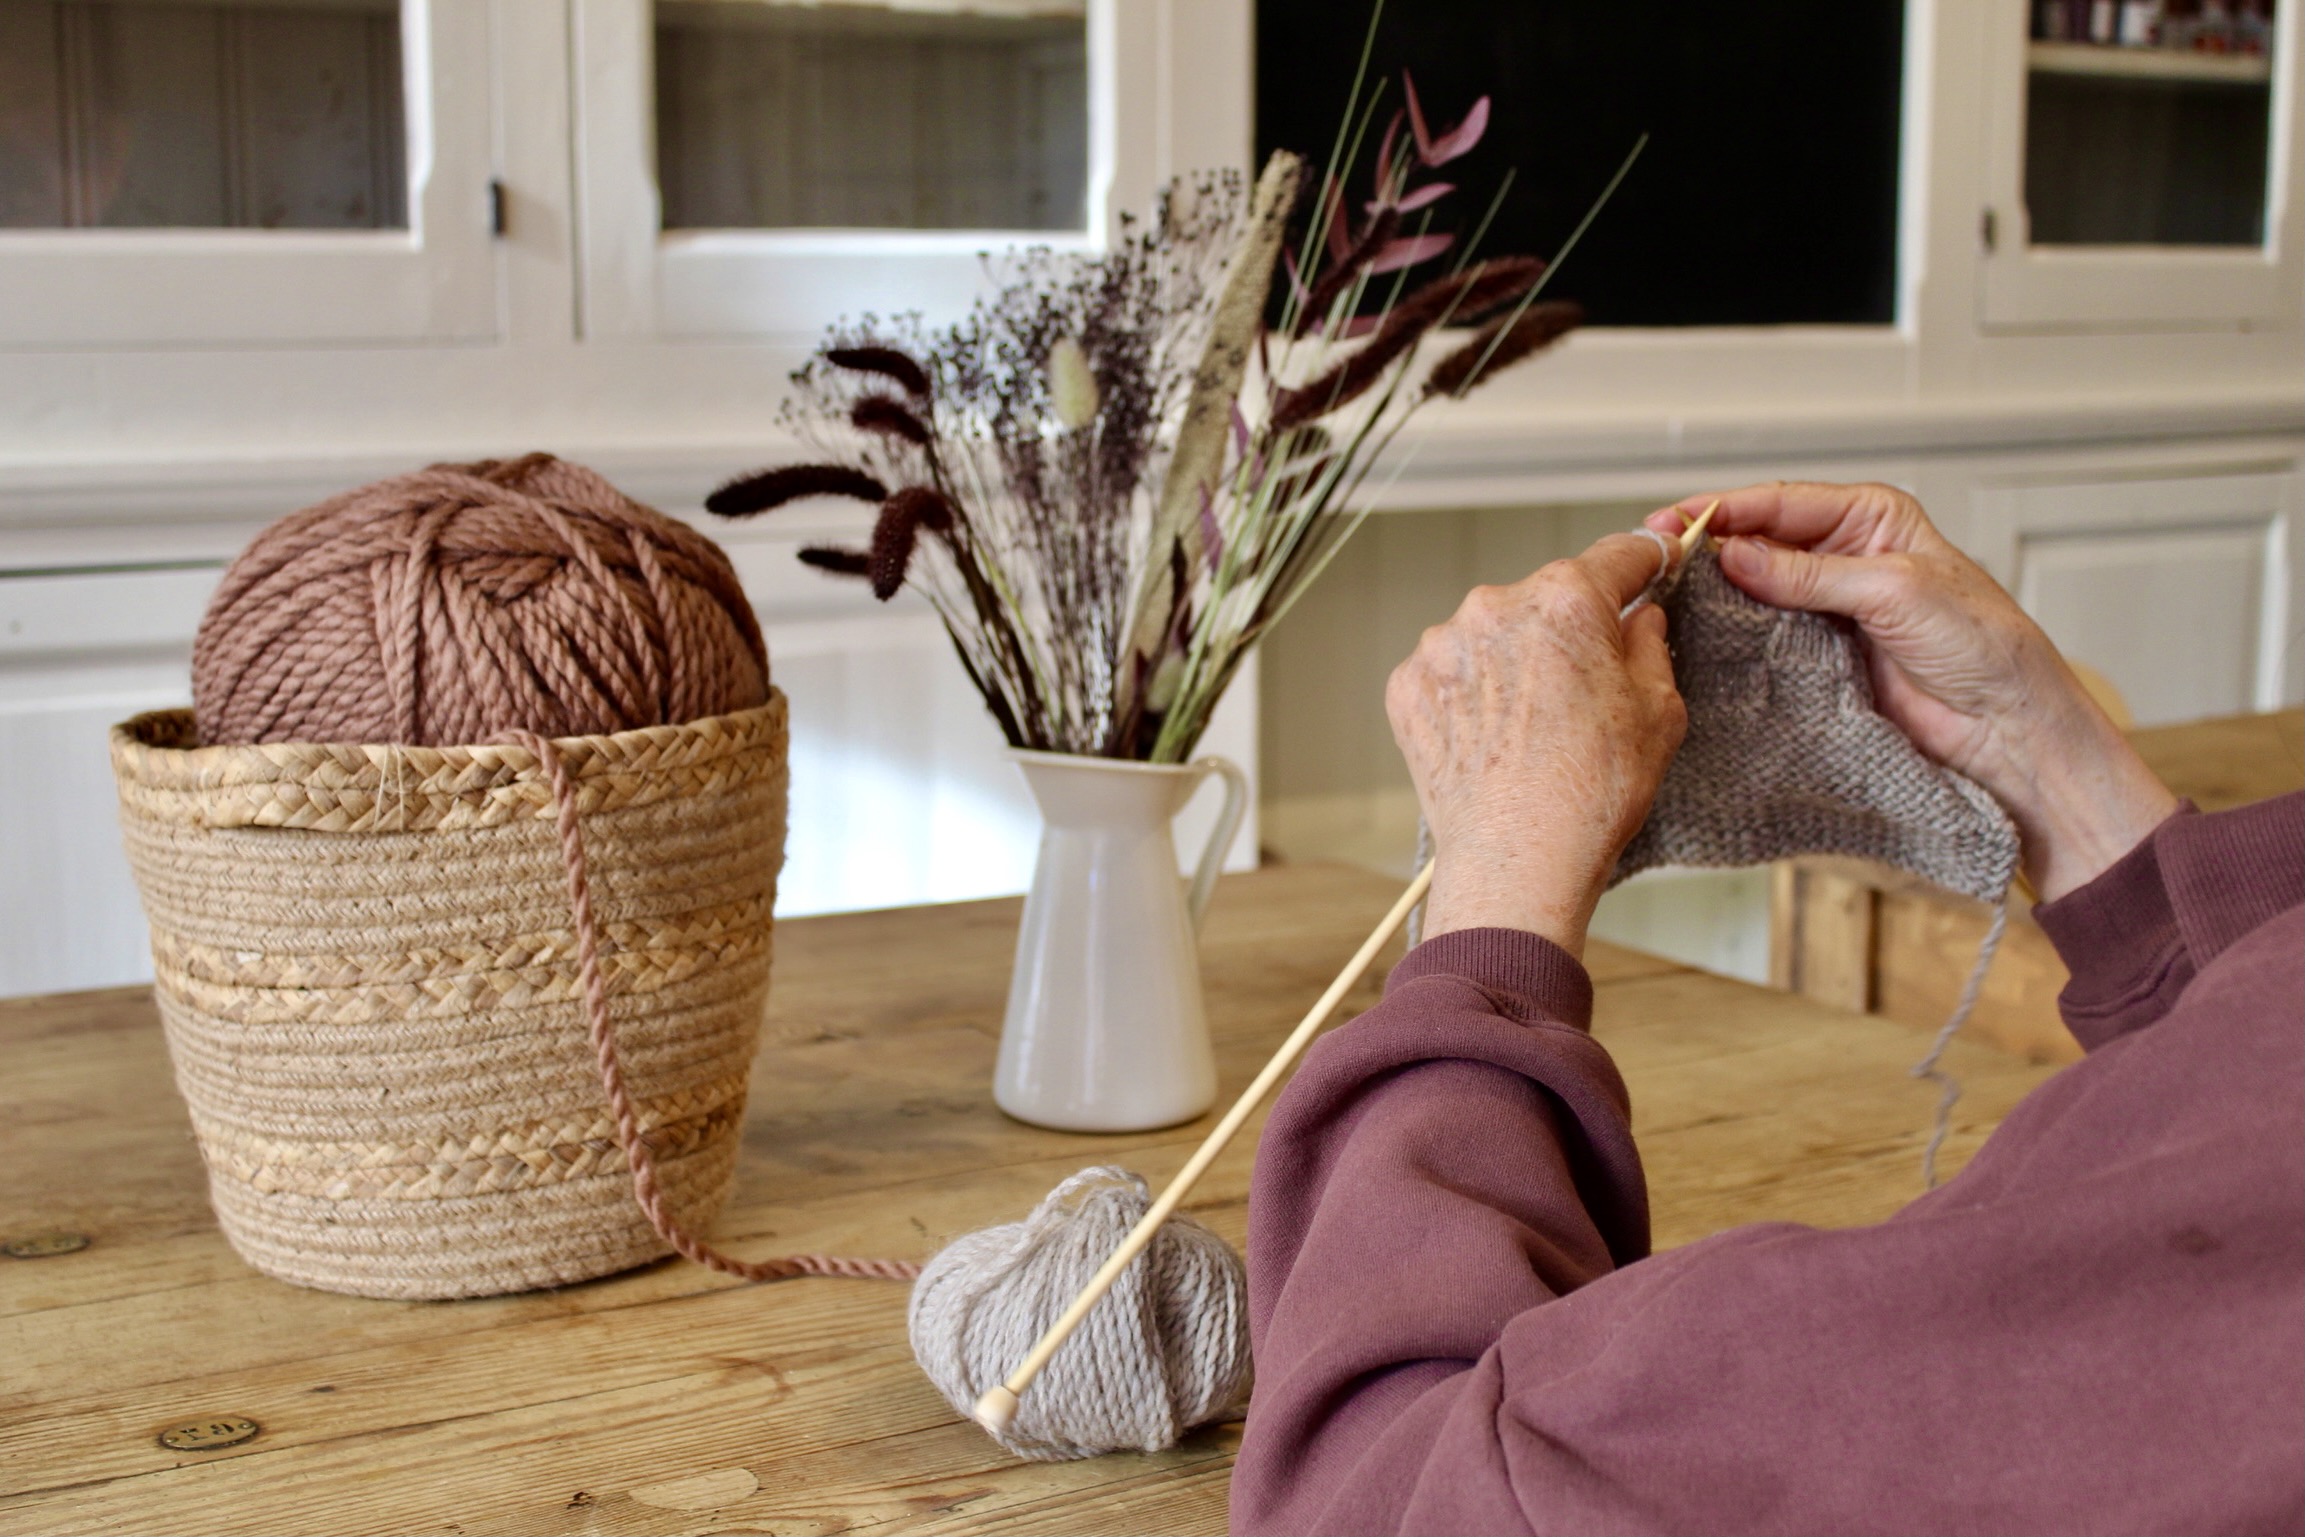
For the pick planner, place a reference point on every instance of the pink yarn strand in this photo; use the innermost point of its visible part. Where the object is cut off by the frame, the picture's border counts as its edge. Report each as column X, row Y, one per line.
column 645, row 1188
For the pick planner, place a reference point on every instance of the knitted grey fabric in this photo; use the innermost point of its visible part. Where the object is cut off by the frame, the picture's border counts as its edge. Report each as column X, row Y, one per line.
column 1786, row 754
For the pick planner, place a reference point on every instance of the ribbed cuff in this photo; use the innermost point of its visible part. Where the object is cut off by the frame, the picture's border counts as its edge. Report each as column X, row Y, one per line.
column 2138, row 933
column 2231, row 871
column 1530, row 977
column 2118, row 936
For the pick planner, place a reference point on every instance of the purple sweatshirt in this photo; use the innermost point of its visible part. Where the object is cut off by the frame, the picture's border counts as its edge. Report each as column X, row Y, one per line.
column 2098, row 1326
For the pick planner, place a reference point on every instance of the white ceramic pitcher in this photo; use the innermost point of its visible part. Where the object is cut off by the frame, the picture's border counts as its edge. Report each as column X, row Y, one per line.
column 1105, row 1030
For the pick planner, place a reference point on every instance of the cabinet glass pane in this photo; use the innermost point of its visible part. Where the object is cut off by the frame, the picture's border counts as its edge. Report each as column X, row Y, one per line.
column 1768, row 192
column 801, row 116
column 284, row 114
column 2148, row 126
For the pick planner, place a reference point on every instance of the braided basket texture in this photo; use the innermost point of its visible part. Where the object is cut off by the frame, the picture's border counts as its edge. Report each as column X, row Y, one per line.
column 367, row 971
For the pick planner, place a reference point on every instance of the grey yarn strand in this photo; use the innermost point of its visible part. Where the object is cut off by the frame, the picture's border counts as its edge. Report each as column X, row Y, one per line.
column 1947, row 1084
column 1165, row 1350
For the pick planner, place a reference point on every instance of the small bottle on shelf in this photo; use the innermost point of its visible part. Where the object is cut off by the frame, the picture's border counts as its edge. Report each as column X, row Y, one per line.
column 2213, row 32
column 2140, row 23
column 2253, row 28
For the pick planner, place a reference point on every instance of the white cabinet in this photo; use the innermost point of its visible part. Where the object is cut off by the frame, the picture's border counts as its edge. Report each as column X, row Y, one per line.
column 953, row 118
column 247, row 174
column 2179, row 586
column 214, row 309
column 2135, row 188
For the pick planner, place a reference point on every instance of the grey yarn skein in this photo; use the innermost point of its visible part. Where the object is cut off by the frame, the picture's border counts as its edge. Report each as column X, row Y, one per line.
column 1165, row 1350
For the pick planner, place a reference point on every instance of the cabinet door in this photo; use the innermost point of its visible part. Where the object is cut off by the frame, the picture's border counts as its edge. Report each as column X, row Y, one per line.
column 2142, row 186
column 763, row 167
column 250, row 171
column 2180, row 590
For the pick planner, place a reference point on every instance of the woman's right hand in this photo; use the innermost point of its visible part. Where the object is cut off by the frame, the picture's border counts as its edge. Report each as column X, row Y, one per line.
column 1955, row 663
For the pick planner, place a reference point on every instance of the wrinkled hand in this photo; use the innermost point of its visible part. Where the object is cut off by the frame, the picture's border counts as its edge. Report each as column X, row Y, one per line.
column 1537, row 726
column 1955, row 663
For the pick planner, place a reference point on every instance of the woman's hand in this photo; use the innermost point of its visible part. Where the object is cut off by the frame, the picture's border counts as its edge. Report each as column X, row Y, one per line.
column 1955, row 663
column 1537, row 726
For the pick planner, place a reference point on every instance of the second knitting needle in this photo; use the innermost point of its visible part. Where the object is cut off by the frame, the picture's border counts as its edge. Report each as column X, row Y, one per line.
column 996, row 1408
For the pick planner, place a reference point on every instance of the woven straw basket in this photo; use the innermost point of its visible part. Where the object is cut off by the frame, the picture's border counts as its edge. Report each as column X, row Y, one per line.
column 367, row 971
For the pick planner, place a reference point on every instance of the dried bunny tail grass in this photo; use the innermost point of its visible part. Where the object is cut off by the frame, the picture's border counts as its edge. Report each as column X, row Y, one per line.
column 888, row 362
column 889, row 416
column 1502, row 343
column 748, row 494
column 927, row 507
column 836, row 560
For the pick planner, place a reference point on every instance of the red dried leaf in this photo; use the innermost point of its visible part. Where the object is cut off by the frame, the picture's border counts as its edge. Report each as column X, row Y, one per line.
column 1461, row 139
column 1346, row 268
column 1431, row 192
column 1441, row 149
column 1407, row 252
column 1417, row 128
column 1339, row 237
column 1385, row 155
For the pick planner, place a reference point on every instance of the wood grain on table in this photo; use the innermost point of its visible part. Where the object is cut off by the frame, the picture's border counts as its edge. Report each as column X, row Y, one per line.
column 671, row 1399
column 1865, row 937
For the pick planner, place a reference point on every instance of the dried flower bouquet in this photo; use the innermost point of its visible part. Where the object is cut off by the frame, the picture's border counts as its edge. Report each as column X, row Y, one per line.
column 1122, row 469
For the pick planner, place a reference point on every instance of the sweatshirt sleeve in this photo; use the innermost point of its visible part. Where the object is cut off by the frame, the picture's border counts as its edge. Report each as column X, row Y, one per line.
column 2139, row 933
column 1456, row 1156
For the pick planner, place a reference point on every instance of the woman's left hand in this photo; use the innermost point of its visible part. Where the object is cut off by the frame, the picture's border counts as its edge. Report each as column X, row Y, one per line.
column 1537, row 726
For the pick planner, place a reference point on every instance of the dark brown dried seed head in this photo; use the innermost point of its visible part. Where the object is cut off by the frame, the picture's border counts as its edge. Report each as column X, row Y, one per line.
column 749, row 494
column 840, row 562
column 890, row 416
column 885, row 361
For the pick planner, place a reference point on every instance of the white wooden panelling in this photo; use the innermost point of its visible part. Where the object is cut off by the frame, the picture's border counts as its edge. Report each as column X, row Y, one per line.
column 69, row 915
column 433, row 281
column 2179, row 585
column 79, row 651
column 2172, row 617
column 2029, row 287
column 46, row 617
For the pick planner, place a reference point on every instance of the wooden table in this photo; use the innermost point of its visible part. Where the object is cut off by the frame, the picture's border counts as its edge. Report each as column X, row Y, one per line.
column 1865, row 937
column 672, row 1400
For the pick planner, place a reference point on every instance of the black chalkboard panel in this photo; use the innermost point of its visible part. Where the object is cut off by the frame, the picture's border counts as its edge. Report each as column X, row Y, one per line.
column 1767, row 195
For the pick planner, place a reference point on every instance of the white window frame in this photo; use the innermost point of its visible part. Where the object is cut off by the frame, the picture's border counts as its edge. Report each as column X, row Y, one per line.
column 432, row 282
column 1168, row 91
column 2115, row 288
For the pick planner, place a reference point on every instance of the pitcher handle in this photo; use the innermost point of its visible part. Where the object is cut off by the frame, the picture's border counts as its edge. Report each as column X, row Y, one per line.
column 1221, row 840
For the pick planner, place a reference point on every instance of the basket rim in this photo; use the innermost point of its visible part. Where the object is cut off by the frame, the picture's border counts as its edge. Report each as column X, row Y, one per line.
column 359, row 786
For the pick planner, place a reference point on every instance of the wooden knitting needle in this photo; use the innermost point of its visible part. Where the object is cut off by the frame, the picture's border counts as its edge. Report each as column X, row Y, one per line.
column 996, row 1409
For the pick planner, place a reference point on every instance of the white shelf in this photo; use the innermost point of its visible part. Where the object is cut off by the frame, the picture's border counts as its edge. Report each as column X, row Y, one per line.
column 2106, row 61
